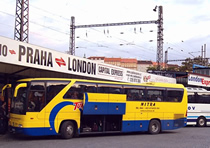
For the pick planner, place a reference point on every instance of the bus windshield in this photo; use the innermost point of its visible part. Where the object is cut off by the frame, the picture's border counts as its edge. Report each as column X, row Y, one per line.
column 19, row 102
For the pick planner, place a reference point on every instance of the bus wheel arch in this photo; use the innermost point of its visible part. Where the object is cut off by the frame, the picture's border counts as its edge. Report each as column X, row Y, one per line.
column 68, row 129
column 154, row 126
column 201, row 121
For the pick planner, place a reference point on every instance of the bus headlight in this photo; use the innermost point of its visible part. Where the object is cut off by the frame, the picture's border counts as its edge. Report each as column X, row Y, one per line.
column 20, row 125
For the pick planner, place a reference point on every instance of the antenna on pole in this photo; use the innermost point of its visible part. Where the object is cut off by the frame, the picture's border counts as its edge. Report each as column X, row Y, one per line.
column 72, row 37
column 22, row 20
column 160, row 38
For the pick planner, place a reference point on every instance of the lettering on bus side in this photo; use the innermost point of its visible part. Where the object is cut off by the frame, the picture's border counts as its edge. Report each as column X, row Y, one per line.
column 191, row 107
column 147, row 104
column 81, row 66
column 35, row 56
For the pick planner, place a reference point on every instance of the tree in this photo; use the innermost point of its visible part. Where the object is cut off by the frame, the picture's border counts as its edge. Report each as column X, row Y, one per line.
column 153, row 68
column 172, row 69
column 187, row 65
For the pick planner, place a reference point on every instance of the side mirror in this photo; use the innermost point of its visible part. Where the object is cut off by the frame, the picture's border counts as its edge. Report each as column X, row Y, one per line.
column 5, row 86
column 18, row 87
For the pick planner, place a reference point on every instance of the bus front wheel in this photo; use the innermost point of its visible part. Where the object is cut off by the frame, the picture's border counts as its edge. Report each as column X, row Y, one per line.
column 201, row 122
column 154, row 127
column 67, row 130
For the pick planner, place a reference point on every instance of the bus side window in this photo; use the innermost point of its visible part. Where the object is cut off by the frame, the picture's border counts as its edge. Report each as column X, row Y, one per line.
column 76, row 91
column 135, row 94
column 174, row 95
column 191, row 98
column 115, row 90
column 203, row 98
column 103, row 89
column 31, row 101
column 90, row 87
column 207, row 99
column 129, row 94
column 155, row 94
column 72, row 93
column 109, row 88
column 36, row 96
column 53, row 88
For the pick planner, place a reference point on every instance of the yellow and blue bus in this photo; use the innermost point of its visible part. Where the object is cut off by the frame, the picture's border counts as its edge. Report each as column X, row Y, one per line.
column 70, row 107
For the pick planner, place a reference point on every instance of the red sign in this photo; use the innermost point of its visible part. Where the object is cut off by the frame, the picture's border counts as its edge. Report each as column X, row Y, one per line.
column 12, row 51
column 60, row 62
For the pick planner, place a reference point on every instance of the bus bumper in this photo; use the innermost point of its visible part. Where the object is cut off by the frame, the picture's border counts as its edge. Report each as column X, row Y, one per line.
column 32, row 131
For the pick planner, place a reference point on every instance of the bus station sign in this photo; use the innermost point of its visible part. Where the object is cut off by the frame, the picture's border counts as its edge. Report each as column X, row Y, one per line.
column 198, row 80
column 28, row 55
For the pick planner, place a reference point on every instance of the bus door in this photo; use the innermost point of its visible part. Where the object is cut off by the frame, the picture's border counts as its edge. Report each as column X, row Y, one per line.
column 36, row 103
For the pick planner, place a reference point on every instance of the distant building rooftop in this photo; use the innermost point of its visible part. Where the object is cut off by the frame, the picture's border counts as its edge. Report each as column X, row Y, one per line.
column 128, row 60
column 112, row 59
column 144, row 62
column 102, row 58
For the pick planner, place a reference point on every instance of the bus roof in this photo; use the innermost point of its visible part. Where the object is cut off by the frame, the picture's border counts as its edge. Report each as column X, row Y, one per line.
column 195, row 89
column 158, row 84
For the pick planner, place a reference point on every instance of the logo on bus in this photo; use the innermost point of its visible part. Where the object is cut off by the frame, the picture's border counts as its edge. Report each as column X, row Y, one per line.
column 191, row 107
column 147, row 104
column 78, row 105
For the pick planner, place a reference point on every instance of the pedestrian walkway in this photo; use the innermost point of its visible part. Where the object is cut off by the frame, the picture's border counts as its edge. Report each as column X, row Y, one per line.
column 4, row 135
column 1, row 136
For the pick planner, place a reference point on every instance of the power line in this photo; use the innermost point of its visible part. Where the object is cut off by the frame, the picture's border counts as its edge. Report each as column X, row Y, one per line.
column 159, row 33
column 179, row 49
column 184, row 60
column 6, row 25
column 54, row 14
column 100, row 45
column 126, row 41
column 67, row 19
column 67, row 33
column 7, row 13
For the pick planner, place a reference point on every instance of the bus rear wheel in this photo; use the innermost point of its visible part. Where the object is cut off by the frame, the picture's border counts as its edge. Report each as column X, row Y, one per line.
column 201, row 122
column 154, row 127
column 67, row 130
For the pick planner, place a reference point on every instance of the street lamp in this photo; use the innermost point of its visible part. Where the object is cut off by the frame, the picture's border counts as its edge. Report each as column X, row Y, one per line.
column 155, row 9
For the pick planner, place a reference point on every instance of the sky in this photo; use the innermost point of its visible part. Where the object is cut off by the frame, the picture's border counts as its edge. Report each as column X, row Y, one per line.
column 185, row 24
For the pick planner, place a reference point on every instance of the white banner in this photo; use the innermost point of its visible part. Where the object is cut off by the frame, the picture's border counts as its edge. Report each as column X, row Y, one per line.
column 28, row 55
column 146, row 77
column 198, row 80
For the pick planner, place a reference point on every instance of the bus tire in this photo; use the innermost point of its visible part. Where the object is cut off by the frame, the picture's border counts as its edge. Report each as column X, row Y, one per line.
column 154, row 127
column 67, row 130
column 201, row 122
